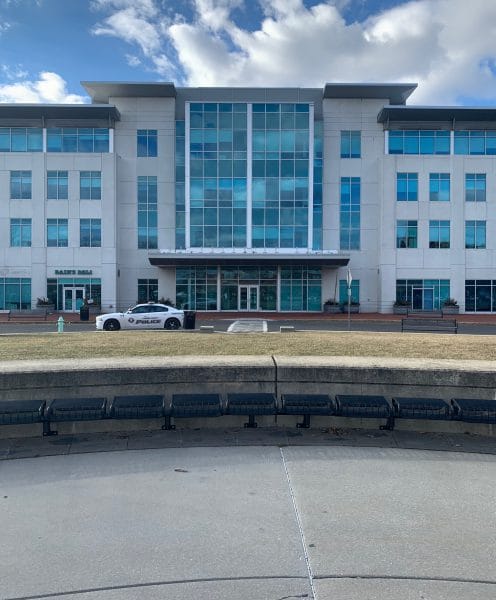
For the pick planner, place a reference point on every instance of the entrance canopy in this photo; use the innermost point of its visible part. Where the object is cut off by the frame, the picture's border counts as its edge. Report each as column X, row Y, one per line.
column 213, row 258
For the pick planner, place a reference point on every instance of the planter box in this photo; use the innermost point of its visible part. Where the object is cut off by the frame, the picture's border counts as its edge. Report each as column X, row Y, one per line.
column 450, row 310
column 332, row 308
column 354, row 308
column 400, row 310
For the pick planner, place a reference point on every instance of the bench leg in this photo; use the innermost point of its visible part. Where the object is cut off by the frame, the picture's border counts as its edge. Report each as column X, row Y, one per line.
column 305, row 424
column 47, row 431
column 389, row 426
column 168, row 425
column 251, row 422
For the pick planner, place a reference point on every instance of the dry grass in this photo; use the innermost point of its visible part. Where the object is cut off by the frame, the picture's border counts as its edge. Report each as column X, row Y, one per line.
column 162, row 343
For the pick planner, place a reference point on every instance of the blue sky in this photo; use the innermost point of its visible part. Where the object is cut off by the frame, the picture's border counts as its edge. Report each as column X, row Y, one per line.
column 447, row 46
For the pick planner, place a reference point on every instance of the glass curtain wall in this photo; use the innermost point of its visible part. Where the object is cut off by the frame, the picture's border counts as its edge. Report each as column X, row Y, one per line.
column 180, row 186
column 317, row 184
column 218, row 154
column 280, row 166
column 301, row 289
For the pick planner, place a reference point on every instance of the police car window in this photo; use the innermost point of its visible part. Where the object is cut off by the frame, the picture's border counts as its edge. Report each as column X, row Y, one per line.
column 140, row 309
column 160, row 309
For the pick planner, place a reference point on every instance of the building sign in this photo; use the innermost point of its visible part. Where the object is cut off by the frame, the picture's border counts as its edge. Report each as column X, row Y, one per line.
column 73, row 272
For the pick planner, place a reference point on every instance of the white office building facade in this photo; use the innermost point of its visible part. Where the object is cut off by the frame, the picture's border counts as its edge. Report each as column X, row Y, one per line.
column 247, row 199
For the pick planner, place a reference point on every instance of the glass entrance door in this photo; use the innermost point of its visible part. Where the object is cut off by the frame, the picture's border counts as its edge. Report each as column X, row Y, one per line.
column 73, row 298
column 423, row 298
column 248, row 297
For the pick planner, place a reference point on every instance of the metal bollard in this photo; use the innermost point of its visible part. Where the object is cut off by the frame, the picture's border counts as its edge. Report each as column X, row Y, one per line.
column 60, row 325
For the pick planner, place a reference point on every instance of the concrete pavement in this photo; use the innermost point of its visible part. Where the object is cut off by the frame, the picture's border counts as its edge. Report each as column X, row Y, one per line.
column 316, row 520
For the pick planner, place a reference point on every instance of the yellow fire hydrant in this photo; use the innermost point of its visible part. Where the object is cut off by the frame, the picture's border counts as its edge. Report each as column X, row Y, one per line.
column 60, row 325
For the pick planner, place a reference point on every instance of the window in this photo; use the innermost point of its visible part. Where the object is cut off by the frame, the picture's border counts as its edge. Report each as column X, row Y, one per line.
column 90, row 185
column 350, row 144
column 57, row 185
column 439, row 187
column 475, row 234
column 349, row 227
column 20, row 232
column 419, row 142
column 57, row 233
column 90, row 233
column 406, row 234
column 475, row 187
column 439, row 234
column 147, row 212
column 15, row 293
column 475, row 142
column 343, row 291
column 77, row 139
column 21, row 139
column 147, row 290
column 480, row 295
column 406, row 187
column 20, row 185
column 147, row 142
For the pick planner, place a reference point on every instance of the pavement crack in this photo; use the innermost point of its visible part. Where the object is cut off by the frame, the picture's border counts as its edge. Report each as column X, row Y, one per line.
column 149, row 584
column 300, row 526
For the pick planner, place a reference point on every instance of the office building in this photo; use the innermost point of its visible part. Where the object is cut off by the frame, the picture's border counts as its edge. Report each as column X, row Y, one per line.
column 247, row 199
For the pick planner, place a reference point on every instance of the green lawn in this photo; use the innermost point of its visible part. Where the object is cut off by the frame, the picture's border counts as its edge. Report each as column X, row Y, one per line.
column 164, row 343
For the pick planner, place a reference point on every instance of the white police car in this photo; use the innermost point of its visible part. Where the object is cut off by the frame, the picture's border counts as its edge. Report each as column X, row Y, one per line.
column 142, row 316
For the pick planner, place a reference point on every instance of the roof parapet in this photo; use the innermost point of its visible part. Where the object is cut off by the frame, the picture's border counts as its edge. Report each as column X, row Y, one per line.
column 396, row 93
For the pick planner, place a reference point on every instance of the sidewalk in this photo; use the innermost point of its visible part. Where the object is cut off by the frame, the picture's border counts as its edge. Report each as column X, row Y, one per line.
column 482, row 318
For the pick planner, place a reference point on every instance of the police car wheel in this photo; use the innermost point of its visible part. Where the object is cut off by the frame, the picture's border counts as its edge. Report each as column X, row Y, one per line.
column 111, row 325
column 172, row 324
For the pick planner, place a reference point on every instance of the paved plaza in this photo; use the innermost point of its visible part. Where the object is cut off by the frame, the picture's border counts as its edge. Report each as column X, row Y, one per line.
column 327, row 515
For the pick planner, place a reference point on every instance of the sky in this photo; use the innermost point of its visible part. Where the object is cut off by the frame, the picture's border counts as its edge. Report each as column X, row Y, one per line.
column 448, row 47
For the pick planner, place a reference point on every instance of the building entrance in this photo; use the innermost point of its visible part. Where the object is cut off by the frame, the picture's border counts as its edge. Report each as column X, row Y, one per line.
column 249, row 297
column 73, row 298
column 423, row 298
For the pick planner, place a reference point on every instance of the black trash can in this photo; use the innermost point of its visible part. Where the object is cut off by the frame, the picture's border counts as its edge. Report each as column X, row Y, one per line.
column 189, row 319
column 84, row 313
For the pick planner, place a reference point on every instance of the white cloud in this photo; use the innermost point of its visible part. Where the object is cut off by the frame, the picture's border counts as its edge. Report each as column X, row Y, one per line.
column 50, row 88
column 444, row 45
column 132, row 26
column 132, row 60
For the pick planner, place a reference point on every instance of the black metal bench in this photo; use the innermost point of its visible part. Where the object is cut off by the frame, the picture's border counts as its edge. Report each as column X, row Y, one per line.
column 192, row 406
column 21, row 412
column 421, row 408
column 429, row 325
column 137, row 407
column 307, row 405
column 474, row 410
column 251, row 405
column 365, row 407
column 73, row 409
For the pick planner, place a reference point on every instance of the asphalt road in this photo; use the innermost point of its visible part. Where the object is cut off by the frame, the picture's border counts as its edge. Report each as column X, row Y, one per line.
column 249, row 523
column 272, row 326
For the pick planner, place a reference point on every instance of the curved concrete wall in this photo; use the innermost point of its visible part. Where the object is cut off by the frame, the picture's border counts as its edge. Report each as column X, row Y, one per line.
column 444, row 379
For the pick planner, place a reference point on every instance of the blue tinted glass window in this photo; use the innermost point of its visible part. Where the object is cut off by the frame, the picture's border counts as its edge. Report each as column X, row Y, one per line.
column 20, row 185
column 406, row 187
column 147, row 212
column 439, row 187
column 90, row 185
column 147, row 142
column 57, row 185
column 20, row 232
column 350, row 213
column 57, row 233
